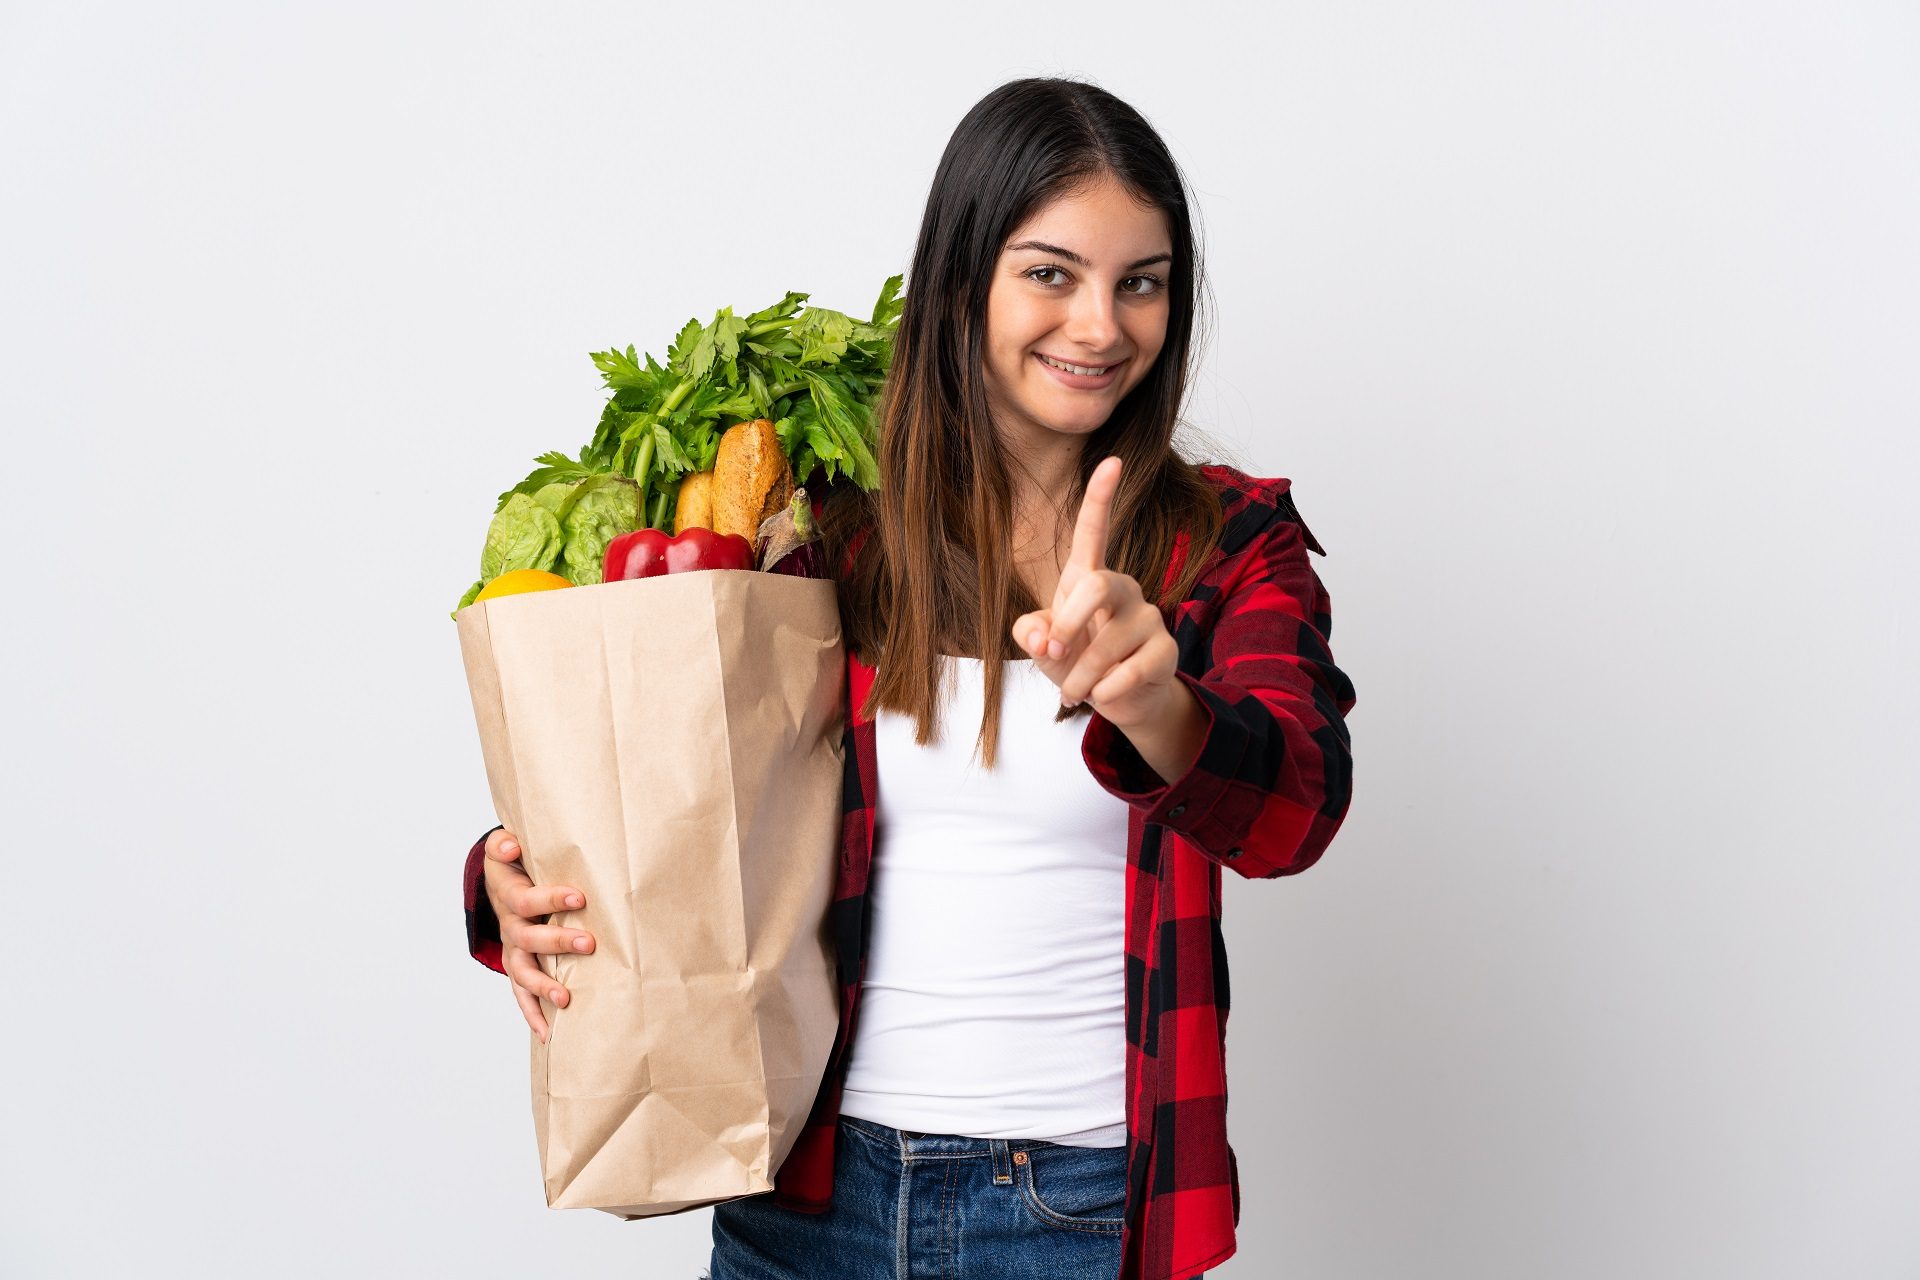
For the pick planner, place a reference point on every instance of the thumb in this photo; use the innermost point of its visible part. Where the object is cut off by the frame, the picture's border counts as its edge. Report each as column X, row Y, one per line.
column 502, row 846
column 1030, row 631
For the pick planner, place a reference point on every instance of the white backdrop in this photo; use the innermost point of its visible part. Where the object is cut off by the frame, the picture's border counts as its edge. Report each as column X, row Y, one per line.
column 1586, row 333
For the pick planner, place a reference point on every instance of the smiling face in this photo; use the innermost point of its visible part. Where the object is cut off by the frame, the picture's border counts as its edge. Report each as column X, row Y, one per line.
column 1082, row 281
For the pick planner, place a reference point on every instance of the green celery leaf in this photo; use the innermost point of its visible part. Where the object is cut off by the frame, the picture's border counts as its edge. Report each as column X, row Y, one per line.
column 887, row 309
column 727, row 330
column 779, row 310
column 682, row 346
column 822, row 335
column 705, row 349
column 622, row 370
column 668, row 455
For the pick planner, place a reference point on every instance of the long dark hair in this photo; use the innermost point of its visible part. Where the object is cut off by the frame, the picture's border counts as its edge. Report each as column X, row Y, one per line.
column 938, row 575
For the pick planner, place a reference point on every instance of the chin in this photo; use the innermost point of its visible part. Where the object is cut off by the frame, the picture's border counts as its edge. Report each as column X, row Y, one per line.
column 1077, row 430
column 1081, row 419
column 1065, row 416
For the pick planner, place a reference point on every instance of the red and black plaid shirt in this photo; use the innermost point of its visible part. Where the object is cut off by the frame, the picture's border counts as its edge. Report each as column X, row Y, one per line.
column 1263, row 799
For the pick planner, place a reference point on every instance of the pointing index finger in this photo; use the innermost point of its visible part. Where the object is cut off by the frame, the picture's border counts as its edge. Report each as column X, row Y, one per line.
column 1090, row 527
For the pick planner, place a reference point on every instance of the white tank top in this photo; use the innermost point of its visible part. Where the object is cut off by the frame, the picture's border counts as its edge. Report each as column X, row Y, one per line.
column 994, row 1000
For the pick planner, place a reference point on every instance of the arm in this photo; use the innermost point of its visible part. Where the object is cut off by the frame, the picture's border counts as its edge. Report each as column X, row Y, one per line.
column 483, row 927
column 1272, row 779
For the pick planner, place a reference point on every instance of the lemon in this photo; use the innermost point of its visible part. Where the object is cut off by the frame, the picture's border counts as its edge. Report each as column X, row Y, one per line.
column 514, row 581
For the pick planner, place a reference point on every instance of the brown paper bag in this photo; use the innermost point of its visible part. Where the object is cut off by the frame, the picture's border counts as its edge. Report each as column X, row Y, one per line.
column 672, row 747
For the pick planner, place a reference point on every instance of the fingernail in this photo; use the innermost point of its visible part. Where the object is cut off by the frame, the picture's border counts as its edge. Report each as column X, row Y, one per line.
column 509, row 846
column 579, row 944
column 574, row 900
column 1055, row 648
column 554, row 995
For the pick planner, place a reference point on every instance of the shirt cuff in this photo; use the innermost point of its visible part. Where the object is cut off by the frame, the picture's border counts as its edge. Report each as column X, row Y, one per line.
column 483, row 927
column 1201, row 804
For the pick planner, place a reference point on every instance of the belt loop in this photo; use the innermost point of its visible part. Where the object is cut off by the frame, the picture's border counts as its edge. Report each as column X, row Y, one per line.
column 1002, row 1162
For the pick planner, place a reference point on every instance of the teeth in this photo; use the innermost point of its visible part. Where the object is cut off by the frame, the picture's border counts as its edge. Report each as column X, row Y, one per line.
column 1075, row 368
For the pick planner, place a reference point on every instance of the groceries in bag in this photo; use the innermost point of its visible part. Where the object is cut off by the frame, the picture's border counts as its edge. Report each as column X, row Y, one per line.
column 667, row 734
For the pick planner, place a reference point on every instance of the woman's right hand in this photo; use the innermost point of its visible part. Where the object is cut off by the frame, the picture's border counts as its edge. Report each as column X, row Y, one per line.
column 522, row 908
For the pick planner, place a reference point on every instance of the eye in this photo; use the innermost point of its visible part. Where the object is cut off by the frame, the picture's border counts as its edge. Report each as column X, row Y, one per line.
column 1155, row 284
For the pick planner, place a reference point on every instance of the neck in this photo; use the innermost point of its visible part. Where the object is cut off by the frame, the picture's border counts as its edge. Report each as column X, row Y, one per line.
column 1042, row 476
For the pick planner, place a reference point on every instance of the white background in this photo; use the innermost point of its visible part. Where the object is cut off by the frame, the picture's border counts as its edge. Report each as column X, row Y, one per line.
column 1586, row 333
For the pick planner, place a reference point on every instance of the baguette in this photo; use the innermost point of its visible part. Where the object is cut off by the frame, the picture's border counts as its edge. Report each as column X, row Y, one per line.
column 752, row 479
column 694, row 506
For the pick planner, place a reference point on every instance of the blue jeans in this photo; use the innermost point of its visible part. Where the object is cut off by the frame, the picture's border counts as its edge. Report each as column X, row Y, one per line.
column 936, row 1204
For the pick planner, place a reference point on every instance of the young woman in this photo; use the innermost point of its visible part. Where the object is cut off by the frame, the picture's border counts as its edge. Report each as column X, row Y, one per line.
column 1035, row 1083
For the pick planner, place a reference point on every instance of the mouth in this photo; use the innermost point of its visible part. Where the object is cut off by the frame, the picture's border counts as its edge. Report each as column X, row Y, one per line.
column 1078, row 375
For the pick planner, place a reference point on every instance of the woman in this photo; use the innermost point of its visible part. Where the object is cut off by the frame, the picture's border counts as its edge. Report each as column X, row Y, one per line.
column 1036, row 1086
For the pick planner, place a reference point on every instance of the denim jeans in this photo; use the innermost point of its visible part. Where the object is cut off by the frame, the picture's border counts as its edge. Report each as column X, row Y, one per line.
column 937, row 1205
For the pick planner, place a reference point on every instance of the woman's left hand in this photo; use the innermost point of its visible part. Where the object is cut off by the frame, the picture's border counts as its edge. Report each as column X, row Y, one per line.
column 1101, row 640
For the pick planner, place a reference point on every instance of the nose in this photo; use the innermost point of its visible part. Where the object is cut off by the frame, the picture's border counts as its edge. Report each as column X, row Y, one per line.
column 1092, row 322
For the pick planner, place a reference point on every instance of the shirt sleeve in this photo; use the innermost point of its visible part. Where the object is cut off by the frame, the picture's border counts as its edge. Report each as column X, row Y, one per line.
column 483, row 927
column 1273, row 778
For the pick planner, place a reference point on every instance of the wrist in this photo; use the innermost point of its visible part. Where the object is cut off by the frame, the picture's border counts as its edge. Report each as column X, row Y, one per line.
column 1169, row 739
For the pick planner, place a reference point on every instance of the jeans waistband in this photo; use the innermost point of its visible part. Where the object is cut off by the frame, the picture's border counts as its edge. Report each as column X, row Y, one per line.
column 916, row 1141
column 913, row 1144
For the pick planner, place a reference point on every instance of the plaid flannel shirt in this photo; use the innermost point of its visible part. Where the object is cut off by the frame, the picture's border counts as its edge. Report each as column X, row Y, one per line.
column 1268, row 790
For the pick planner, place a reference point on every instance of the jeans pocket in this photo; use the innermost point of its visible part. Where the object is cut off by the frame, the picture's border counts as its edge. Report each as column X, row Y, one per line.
column 1078, row 1188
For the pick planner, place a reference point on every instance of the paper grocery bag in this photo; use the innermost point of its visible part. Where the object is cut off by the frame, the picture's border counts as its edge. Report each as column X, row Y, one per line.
column 672, row 747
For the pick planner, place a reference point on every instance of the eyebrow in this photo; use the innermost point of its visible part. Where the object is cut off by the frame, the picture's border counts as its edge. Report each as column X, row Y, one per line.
column 1073, row 257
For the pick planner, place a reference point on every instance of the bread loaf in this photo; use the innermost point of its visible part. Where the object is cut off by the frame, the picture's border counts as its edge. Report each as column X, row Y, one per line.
column 751, row 478
column 694, row 506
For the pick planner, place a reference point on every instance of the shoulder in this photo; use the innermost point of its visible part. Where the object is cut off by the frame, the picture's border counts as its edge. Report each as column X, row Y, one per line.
column 1255, row 507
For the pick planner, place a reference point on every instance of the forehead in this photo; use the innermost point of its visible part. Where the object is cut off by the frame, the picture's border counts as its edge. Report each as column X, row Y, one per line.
column 1101, row 221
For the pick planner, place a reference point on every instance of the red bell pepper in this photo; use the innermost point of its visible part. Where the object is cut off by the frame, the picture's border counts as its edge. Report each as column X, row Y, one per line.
column 645, row 553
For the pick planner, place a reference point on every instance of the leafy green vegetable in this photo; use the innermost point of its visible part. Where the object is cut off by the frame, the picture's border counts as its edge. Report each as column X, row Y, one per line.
column 555, row 466
column 555, row 497
column 600, row 509
column 524, row 535
column 816, row 373
column 467, row 599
